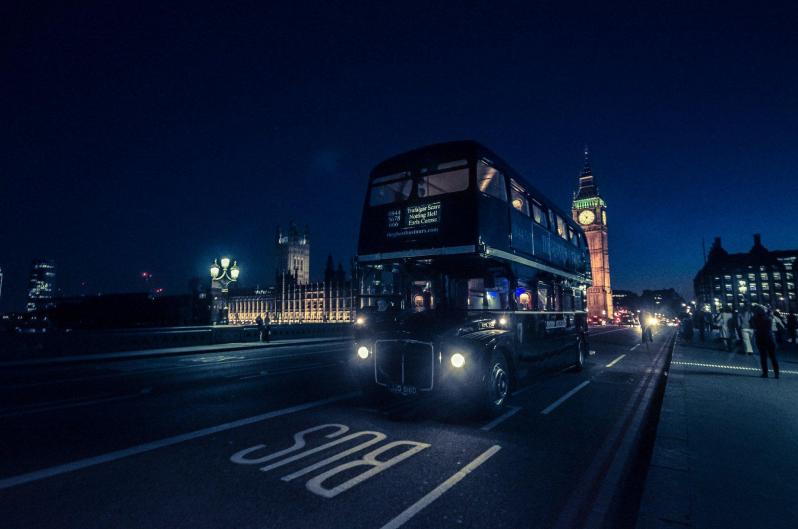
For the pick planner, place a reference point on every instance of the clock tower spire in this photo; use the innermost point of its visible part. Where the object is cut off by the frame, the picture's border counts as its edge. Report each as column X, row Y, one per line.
column 590, row 210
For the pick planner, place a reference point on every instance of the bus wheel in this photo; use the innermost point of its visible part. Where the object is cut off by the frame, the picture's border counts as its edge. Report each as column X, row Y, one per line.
column 497, row 385
column 580, row 355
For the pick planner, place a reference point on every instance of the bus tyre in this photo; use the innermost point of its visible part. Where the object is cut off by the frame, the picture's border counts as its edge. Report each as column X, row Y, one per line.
column 496, row 389
column 581, row 352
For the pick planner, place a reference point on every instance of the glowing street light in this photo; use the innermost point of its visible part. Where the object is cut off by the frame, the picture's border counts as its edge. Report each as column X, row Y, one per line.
column 223, row 273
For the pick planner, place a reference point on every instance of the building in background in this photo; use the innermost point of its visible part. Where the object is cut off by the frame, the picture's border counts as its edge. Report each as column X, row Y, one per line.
column 757, row 276
column 294, row 299
column 41, row 285
column 293, row 256
column 590, row 210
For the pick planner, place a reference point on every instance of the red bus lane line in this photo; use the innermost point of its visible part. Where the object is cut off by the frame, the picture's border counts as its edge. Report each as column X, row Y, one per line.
column 13, row 481
column 553, row 406
column 439, row 491
column 589, row 504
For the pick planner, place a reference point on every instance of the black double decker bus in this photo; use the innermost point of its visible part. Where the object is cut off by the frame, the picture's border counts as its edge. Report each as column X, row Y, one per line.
column 469, row 278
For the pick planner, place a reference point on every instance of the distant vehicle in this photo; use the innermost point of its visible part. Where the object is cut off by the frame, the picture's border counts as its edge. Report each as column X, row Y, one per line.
column 627, row 320
column 468, row 275
column 596, row 321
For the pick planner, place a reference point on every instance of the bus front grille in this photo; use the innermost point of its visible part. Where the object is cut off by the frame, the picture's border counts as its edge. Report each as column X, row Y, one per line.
column 404, row 363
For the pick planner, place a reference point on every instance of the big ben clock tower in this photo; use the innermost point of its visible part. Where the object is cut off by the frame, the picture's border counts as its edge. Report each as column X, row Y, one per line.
column 590, row 211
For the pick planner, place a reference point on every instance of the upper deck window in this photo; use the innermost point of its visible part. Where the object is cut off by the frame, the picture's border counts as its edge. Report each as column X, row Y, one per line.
column 539, row 214
column 491, row 181
column 442, row 183
column 561, row 228
column 390, row 189
column 518, row 197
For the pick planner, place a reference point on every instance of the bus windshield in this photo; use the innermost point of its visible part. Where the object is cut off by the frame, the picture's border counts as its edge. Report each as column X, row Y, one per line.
column 420, row 286
column 401, row 186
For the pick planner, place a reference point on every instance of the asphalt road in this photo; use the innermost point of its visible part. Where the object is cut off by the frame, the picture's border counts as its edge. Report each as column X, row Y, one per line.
column 276, row 438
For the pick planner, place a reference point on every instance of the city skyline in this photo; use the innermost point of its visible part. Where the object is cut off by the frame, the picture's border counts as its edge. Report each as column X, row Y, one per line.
column 159, row 150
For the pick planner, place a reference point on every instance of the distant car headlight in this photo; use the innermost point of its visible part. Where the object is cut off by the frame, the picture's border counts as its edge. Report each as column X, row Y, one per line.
column 652, row 321
column 360, row 320
column 363, row 352
column 457, row 360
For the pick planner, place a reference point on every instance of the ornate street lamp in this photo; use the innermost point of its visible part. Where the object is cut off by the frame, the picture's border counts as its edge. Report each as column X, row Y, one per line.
column 223, row 273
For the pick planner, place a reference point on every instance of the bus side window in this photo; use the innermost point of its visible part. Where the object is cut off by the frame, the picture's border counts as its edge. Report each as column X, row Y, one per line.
column 518, row 198
column 544, row 303
column 491, row 181
column 539, row 214
column 523, row 298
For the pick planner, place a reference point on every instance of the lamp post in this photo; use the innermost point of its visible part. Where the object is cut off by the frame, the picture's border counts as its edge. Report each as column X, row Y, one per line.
column 223, row 272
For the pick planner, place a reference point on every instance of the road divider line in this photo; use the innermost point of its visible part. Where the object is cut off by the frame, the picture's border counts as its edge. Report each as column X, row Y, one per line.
column 13, row 481
column 500, row 419
column 553, row 406
column 616, row 361
column 635, row 347
column 438, row 491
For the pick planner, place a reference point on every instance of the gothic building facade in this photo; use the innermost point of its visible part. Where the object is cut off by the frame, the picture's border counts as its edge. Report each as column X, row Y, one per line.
column 590, row 210
column 293, row 255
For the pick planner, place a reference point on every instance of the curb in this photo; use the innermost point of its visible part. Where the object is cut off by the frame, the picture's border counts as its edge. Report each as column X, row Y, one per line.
column 160, row 353
column 602, row 497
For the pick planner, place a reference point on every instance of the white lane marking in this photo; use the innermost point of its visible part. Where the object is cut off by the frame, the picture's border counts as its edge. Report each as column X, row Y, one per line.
column 616, row 361
column 551, row 407
column 722, row 366
column 80, row 464
column 500, row 419
column 438, row 491
column 66, row 405
column 635, row 347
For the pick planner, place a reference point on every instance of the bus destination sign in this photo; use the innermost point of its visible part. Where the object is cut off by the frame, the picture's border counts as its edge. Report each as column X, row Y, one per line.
column 418, row 219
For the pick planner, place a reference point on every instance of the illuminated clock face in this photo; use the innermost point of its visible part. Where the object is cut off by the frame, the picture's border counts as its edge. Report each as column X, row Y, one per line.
column 587, row 217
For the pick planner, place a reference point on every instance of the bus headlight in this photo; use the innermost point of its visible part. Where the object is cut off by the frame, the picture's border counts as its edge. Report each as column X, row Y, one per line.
column 363, row 352
column 457, row 360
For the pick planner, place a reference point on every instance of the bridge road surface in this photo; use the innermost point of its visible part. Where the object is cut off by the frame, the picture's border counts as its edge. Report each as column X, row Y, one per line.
column 215, row 440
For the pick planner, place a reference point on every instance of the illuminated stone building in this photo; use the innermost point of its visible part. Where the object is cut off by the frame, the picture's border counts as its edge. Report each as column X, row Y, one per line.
column 293, row 255
column 294, row 299
column 41, row 285
column 590, row 210
column 757, row 276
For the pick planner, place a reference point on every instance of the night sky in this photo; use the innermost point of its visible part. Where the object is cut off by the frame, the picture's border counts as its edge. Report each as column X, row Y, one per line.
column 154, row 138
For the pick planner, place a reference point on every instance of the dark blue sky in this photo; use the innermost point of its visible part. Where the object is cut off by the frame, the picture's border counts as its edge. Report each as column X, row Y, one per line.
column 154, row 138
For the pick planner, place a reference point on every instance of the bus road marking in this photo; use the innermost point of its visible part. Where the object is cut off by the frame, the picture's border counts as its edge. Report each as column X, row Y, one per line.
column 616, row 361
column 13, row 481
column 438, row 491
column 553, row 406
column 500, row 419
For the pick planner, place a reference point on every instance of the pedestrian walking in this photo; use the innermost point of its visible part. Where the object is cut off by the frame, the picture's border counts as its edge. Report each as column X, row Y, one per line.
column 779, row 327
column 687, row 328
column 698, row 322
column 267, row 323
column 261, row 328
column 746, row 331
column 734, row 328
column 646, row 335
column 723, row 330
column 792, row 327
column 762, row 323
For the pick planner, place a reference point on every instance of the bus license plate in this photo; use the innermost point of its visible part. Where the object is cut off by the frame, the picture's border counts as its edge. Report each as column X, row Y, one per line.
column 399, row 389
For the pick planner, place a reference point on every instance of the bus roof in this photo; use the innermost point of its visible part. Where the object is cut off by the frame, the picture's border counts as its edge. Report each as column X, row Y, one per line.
column 435, row 153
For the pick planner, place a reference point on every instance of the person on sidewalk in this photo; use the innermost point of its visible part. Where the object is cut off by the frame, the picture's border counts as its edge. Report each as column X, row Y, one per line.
column 734, row 328
column 746, row 332
column 259, row 323
column 698, row 323
column 779, row 326
column 762, row 324
column 267, row 323
column 723, row 330
column 792, row 327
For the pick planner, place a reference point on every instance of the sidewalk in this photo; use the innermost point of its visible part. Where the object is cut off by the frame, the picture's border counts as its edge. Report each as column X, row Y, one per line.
column 170, row 351
column 726, row 444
